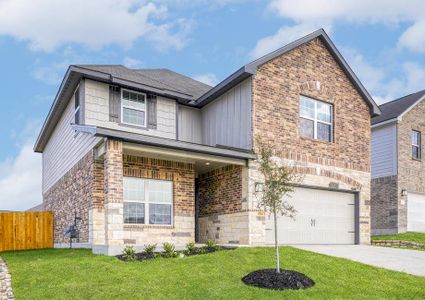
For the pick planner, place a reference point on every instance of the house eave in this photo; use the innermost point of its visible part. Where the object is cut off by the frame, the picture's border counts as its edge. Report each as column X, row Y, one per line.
column 164, row 142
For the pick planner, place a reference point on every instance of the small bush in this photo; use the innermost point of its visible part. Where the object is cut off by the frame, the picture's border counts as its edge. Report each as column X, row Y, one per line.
column 129, row 253
column 169, row 250
column 211, row 245
column 191, row 249
column 149, row 249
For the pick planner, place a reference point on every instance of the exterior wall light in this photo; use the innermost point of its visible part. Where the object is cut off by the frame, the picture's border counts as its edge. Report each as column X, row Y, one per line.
column 259, row 187
column 404, row 193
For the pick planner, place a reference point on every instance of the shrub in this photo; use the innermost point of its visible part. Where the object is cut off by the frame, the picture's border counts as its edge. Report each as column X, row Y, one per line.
column 211, row 245
column 191, row 248
column 169, row 250
column 129, row 253
column 149, row 249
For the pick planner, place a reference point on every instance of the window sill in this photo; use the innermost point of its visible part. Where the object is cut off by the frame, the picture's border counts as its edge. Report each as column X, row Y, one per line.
column 416, row 159
column 139, row 226
column 133, row 126
column 316, row 141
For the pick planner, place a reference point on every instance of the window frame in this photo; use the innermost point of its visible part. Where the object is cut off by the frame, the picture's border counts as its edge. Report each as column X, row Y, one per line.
column 316, row 120
column 77, row 109
column 146, row 202
column 418, row 145
column 136, row 109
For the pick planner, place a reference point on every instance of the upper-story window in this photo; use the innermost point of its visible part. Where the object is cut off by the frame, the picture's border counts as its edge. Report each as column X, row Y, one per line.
column 316, row 119
column 77, row 107
column 416, row 144
column 133, row 108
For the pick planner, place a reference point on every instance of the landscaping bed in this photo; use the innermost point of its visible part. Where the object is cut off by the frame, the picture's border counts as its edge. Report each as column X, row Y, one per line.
column 270, row 279
column 169, row 251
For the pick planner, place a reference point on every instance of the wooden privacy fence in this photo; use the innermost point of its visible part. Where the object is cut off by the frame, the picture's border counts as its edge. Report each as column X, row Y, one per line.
column 26, row 230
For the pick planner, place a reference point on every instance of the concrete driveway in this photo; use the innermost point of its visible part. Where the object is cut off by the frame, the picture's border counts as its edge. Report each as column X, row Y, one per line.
column 408, row 261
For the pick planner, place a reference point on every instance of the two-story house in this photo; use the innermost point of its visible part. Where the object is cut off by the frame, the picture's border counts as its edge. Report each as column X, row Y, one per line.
column 152, row 156
column 398, row 168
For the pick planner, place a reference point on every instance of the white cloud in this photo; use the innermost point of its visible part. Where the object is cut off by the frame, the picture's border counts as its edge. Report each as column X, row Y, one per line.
column 207, row 78
column 132, row 63
column 358, row 12
column 20, row 177
column 282, row 37
column 48, row 24
column 414, row 37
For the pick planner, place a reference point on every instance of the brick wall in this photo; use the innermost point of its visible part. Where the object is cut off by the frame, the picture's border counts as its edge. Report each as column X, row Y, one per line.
column 384, row 205
column 75, row 191
column 220, row 191
column 311, row 70
column 411, row 173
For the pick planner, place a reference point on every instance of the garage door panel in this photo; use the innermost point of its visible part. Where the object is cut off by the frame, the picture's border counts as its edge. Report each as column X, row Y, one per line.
column 323, row 217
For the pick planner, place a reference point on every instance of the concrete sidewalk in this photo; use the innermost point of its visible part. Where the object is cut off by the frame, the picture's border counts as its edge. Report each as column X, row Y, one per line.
column 403, row 260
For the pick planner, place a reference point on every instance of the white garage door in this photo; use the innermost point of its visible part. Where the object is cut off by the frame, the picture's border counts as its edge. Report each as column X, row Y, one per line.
column 416, row 212
column 323, row 217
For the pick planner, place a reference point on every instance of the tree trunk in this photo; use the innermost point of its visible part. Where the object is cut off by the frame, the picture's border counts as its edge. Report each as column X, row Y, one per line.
column 276, row 244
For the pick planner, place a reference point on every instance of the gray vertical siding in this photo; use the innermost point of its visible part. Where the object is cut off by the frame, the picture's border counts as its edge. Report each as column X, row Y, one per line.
column 227, row 120
column 64, row 148
column 189, row 124
column 384, row 151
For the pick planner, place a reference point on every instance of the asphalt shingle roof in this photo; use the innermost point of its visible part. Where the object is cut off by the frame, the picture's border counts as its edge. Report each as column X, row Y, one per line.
column 158, row 78
column 395, row 108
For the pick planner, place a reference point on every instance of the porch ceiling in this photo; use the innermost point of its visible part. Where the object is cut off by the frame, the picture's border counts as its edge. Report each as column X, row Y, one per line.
column 202, row 162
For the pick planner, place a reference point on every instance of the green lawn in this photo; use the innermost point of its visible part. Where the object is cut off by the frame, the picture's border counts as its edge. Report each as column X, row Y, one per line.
column 408, row 236
column 78, row 274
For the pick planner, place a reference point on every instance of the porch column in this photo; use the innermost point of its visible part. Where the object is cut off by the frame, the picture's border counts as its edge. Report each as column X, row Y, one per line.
column 114, row 207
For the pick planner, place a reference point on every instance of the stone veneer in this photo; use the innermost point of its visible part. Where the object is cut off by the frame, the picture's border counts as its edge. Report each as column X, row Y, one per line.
column 310, row 70
column 74, row 192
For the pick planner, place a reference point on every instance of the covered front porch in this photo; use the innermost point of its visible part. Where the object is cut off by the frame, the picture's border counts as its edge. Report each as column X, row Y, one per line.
column 155, row 194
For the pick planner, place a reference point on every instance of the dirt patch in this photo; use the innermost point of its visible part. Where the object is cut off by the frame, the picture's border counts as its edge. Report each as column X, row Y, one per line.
column 270, row 279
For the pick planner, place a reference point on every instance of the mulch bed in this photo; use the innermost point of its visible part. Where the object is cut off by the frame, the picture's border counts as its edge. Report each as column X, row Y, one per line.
column 286, row 279
column 141, row 256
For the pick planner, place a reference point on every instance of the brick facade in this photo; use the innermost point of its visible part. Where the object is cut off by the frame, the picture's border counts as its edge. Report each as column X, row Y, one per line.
column 74, row 192
column 411, row 173
column 310, row 70
column 384, row 205
column 220, row 191
column 222, row 205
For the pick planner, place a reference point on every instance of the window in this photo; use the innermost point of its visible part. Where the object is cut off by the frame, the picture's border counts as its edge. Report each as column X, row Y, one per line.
column 133, row 108
column 77, row 107
column 315, row 119
column 416, row 145
column 147, row 201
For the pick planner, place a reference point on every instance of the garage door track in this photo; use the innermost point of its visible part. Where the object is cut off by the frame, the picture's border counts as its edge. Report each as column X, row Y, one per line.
column 404, row 260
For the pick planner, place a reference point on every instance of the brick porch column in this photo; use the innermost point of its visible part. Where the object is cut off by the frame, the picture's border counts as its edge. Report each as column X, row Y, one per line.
column 114, row 207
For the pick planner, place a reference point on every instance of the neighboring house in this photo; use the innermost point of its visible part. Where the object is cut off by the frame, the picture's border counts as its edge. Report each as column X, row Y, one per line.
column 398, row 166
column 152, row 156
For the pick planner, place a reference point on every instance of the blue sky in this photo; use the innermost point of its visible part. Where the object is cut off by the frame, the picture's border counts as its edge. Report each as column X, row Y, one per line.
column 383, row 41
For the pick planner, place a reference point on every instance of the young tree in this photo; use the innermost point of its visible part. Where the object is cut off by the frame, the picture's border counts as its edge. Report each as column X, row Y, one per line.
column 279, row 182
